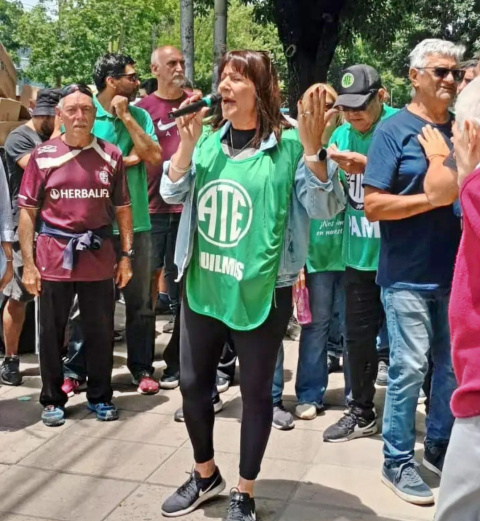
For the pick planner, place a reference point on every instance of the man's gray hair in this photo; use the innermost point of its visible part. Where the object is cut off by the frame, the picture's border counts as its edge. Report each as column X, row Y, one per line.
column 467, row 105
column 418, row 57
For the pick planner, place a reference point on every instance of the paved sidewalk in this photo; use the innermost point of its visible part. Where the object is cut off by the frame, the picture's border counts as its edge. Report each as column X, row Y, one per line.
column 122, row 471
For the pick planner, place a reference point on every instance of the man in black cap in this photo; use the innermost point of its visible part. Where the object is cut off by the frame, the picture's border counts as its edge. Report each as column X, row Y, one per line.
column 361, row 100
column 19, row 145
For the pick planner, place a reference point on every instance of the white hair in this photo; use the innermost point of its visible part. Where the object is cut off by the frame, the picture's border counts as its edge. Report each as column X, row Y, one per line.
column 467, row 106
column 418, row 57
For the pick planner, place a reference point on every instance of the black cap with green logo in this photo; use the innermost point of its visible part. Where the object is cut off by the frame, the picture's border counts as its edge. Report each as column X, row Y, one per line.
column 358, row 85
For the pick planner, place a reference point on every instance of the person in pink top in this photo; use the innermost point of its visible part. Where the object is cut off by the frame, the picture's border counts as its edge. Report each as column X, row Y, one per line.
column 460, row 485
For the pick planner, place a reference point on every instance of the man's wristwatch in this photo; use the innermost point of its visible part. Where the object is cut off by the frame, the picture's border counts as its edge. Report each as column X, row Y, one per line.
column 129, row 254
column 319, row 157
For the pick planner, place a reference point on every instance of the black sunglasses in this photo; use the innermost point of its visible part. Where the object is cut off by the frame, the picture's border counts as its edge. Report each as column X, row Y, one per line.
column 76, row 87
column 443, row 72
column 133, row 76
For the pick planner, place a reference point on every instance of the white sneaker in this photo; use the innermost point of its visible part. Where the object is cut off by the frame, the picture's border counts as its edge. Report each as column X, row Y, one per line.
column 306, row 411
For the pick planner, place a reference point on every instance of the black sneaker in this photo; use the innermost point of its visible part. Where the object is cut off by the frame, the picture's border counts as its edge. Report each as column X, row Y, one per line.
column 217, row 407
column 168, row 381
column 434, row 458
column 352, row 426
column 241, row 508
column 10, row 371
column 193, row 493
column 333, row 364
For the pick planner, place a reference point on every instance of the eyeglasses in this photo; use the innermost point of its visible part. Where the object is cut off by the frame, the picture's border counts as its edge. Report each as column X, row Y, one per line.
column 133, row 76
column 76, row 87
column 443, row 72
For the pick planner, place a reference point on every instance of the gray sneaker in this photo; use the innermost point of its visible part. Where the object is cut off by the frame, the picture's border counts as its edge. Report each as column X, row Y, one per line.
column 282, row 419
column 294, row 329
column 406, row 482
column 382, row 375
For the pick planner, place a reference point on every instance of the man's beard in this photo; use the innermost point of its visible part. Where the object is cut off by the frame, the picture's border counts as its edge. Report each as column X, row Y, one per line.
column 130, row 95
column 46, row 130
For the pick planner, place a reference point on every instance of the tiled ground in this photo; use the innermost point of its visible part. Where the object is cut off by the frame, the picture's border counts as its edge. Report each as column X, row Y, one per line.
column 122, row 471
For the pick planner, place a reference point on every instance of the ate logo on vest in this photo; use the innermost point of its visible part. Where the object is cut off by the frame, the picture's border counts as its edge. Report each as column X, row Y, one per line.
column 225, row 212
column 355, row 191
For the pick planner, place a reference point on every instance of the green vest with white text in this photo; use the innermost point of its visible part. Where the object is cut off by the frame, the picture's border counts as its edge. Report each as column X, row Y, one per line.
column 242, row 209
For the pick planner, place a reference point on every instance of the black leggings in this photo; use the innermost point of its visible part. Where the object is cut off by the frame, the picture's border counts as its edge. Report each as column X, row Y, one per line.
column 201, row 343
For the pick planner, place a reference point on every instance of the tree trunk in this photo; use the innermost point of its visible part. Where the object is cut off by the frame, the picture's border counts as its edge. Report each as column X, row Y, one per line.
column 309, row 31
column 187, row 37
column 219, row 38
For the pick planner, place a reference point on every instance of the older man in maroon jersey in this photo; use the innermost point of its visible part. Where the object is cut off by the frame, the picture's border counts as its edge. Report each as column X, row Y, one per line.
column 77, row 184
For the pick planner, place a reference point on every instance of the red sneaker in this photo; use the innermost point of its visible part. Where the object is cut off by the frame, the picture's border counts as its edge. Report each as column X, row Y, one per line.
column 72, row 386
column 146, row 384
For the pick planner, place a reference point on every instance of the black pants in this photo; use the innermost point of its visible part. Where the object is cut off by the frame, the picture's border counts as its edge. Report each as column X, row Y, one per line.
column 363, row 319
column 96, row 303
column 201, row 343
column 140, row 317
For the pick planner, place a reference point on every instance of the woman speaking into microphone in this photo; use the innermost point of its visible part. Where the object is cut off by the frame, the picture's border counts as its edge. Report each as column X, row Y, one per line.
column 249, row 185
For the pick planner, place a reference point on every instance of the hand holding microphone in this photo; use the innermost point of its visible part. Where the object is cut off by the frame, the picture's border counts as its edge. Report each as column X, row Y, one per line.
column 194, row 106
column 190, row 117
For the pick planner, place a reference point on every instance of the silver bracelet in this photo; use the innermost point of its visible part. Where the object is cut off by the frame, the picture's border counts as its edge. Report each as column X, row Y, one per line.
column 181, row 170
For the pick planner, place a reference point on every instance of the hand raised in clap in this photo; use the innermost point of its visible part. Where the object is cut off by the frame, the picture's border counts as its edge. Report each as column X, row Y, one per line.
column 312, row 120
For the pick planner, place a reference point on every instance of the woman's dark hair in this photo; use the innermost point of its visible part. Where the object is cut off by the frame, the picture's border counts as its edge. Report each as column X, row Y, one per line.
column 258, row 67
column 110, row 65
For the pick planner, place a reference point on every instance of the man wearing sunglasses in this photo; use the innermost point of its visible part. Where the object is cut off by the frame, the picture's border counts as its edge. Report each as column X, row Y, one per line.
column 419, row 242
column 131, row 129
column 361, row 100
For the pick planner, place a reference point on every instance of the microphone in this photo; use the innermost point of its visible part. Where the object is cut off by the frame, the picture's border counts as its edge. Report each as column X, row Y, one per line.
column 207, row 101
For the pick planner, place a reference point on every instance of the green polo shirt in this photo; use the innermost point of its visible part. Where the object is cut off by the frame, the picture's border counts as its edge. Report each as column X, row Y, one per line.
column 112, row 129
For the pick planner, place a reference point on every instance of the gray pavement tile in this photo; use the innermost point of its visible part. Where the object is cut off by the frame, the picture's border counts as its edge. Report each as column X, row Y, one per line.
column 145, row 505
column 3, row 468
column 155, row 429
column 99, row 457
column 294, row 445
column 16, row 445
column 5, row 516
column 357, row 489
column 56, row 496
column 272, row 482
column 16, row 414
column 165, row 402
column 305, row 512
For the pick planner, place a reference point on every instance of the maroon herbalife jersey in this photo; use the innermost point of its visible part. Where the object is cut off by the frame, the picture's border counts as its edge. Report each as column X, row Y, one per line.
column 169, row 138
column 75, row 189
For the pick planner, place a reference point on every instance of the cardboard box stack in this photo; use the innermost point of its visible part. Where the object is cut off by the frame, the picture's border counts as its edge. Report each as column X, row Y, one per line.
column 12, row 112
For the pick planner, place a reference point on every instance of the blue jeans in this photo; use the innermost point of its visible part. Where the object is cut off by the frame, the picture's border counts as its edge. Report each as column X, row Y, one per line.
column 417, row 325
column 325, row 292
column 164, row 235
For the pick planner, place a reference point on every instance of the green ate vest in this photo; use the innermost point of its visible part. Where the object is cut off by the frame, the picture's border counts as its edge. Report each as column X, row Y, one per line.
column 361, row 238
column 242, row 210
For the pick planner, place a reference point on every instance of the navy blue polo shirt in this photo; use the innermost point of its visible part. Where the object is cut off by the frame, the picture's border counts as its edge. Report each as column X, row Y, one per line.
column 417, row 252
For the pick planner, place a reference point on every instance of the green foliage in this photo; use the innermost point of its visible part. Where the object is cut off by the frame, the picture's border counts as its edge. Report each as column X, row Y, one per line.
column 10, row 14
column 67, row 36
